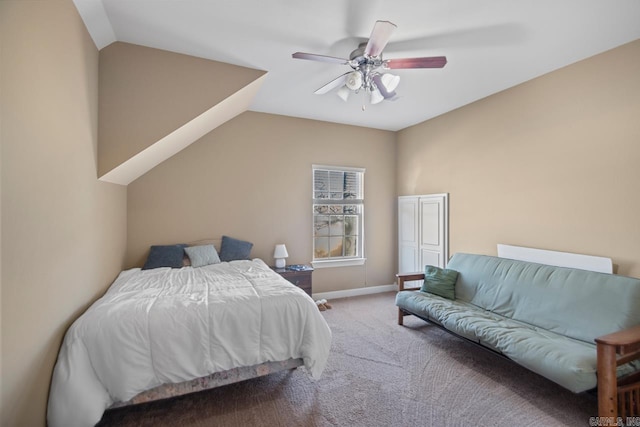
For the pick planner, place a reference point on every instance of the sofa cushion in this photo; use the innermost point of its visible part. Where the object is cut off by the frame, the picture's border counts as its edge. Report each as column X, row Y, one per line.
column 577, row 303
column 439, row 281
column 568, row 362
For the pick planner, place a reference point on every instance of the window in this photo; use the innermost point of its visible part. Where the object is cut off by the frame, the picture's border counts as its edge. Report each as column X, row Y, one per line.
column 338, row 216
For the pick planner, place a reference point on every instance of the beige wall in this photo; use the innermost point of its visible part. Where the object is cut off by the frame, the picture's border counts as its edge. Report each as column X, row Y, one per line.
column 552, row 163
column 63, row 232
column 145, row 94
column 251, row 179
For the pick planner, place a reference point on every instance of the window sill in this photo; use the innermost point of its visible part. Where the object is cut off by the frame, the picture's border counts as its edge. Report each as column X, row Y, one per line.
column 338, row 263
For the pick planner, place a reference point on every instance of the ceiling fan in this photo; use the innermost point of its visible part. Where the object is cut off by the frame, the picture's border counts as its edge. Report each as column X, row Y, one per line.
column 369, row 68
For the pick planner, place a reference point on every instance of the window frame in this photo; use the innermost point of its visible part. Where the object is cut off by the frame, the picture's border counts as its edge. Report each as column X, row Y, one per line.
column 342, row 261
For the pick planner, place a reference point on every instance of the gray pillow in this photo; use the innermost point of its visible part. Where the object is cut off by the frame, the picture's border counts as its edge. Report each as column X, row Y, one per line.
column 440, row 281
column 165, row 256
column 233, row 249
column 202, row 255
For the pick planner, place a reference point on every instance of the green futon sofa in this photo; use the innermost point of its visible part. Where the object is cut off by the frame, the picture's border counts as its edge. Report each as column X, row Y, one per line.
column 544, row 318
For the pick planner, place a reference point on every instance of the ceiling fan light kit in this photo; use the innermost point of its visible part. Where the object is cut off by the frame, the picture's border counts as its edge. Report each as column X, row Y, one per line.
column 390, row 81
column 368, row 66
column 376, row 97
column 354, row 80
column 343, row 93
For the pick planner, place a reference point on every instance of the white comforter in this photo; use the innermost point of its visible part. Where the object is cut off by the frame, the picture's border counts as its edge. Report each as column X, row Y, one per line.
column 171, row 325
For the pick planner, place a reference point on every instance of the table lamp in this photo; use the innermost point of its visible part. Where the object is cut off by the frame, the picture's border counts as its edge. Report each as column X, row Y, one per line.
column 280, row 253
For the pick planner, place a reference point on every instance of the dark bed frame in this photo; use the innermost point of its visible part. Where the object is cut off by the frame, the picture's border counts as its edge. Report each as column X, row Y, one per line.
column 216, row 379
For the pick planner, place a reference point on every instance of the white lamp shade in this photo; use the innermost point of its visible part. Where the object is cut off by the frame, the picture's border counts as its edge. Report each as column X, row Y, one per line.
column 354, row 80
column 390, row 81
column 376, row 96
column 280, row 253
column 343, row 93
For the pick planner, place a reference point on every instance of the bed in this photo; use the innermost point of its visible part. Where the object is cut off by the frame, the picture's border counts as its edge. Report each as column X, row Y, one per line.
column 166, row 331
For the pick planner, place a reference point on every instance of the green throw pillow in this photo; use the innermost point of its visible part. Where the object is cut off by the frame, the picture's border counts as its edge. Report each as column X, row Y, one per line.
column 440, row 281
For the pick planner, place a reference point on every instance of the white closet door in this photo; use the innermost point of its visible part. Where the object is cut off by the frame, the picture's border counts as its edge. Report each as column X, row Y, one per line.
column 422, row 232
column 408, row 235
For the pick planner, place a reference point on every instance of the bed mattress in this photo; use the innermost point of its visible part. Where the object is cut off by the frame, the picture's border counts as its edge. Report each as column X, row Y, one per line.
column 160, row 326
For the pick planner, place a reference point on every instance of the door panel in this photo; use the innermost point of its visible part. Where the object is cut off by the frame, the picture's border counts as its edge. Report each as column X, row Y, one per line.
column 431, row 223
column 409, row 260
column 408, row 212
column 432, row 258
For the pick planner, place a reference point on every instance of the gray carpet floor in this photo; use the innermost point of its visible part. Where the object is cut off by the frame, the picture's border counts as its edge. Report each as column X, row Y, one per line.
column 379, row 374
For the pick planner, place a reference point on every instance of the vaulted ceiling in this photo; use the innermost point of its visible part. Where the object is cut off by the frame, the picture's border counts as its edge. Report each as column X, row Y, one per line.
column 490, row 45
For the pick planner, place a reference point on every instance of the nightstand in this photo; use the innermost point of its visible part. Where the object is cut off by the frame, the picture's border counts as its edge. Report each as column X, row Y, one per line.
column 301, row 279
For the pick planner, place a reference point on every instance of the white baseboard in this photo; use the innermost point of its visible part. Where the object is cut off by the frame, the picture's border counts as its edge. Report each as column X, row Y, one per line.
column 354, row 292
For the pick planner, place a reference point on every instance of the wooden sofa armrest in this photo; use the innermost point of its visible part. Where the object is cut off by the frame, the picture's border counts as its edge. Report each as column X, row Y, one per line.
column 408, row 277
column 627, row 339
column 614, row 350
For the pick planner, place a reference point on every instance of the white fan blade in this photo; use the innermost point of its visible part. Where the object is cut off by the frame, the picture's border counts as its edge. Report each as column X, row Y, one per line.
column 379, row 37
column 321, row 58
column 337, row 82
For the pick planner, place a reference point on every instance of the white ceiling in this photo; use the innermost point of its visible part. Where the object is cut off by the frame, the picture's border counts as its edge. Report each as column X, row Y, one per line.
column 490, row 45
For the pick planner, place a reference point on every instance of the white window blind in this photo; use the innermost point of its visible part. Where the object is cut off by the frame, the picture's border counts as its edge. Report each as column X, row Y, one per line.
column 338, row 214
